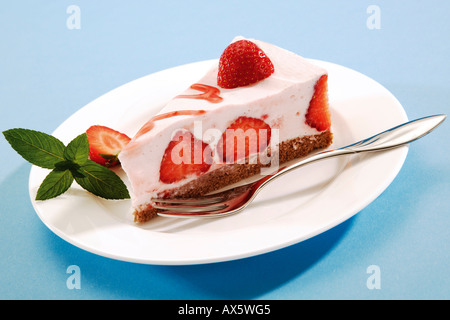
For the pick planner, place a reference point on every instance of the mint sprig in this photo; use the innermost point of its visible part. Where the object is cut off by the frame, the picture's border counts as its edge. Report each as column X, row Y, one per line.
column 67, row 164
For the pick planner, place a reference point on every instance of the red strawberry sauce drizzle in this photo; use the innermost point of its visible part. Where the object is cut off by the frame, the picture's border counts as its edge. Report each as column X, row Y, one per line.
column 210, row 93
column 151, row 123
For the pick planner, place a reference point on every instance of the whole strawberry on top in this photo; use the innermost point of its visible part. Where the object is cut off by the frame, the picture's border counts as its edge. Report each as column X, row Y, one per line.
column 241, row 64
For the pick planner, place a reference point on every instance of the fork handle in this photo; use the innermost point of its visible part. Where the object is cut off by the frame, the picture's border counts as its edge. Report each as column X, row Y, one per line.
column 389, row 139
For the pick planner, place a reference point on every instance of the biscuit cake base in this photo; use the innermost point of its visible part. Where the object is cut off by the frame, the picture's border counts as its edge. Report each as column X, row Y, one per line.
column 233, row 173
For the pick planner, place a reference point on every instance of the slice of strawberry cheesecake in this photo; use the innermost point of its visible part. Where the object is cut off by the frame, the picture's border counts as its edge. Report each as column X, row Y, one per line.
column 260, row 106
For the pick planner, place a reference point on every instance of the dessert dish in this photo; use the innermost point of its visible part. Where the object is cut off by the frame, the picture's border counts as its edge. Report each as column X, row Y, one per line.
column 259, row 107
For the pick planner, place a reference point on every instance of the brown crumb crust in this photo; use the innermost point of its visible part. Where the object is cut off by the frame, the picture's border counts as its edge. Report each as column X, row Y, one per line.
column 233, row 173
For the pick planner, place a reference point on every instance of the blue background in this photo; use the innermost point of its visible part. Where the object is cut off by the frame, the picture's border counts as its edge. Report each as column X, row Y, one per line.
column 47, row 72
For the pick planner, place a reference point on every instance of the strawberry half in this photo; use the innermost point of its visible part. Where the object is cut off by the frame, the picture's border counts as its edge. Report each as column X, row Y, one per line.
column 105, row 145
column 184, row 156
column 241, row 64
column 318, row 115
column 243, row 137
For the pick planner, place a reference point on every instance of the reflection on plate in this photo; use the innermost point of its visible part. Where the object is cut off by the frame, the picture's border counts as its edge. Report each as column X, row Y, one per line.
column 291, row 209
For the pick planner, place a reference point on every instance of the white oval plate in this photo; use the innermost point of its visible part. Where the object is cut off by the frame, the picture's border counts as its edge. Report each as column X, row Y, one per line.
column 292, row 209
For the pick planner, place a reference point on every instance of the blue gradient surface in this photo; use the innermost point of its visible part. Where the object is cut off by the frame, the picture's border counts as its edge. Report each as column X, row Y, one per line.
column 49, row 71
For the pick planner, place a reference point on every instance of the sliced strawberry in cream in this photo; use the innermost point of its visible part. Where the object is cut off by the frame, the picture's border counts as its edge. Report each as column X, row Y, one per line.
column 184, row 156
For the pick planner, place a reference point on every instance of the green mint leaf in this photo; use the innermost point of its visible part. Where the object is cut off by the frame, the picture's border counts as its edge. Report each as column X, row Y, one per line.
column 55, row 183
column 78, row 149
column 67, row 165
column 101, row 181
column 36, row 147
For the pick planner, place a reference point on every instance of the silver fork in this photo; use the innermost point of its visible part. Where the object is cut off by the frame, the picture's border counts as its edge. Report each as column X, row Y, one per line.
column 237, row 199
